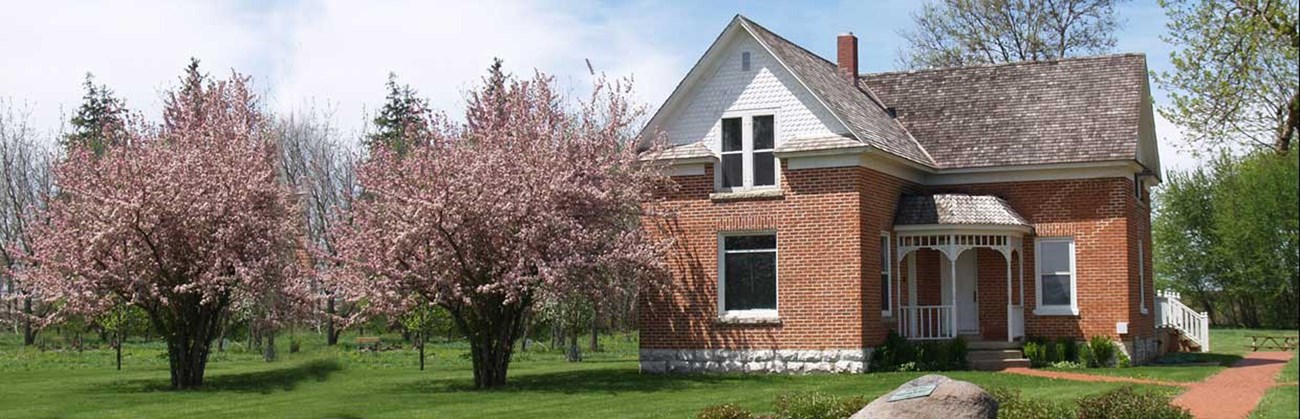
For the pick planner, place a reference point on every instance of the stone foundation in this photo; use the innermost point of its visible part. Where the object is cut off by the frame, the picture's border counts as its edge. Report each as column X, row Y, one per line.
column 1142, row 351
column 659, row 361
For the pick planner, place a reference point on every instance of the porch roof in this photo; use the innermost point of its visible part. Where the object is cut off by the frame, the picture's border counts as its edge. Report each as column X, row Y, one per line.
column 956, row 209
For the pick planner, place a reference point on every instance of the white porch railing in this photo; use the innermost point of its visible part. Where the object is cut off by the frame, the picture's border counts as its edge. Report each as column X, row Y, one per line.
column 926, row 322
column 1017, row 327
column 1171, row 312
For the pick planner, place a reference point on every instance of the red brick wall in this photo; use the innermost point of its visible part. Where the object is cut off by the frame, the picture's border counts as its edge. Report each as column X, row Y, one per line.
column 1101, row 215
column 819, row 267
column 828, row 224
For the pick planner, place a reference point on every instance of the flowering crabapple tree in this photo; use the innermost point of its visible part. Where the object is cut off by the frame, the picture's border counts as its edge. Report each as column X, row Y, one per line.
column 530, row 199
column 186, row 221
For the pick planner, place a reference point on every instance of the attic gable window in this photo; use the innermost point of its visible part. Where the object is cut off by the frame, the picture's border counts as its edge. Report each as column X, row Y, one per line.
column 747, row 159
column 744, row 61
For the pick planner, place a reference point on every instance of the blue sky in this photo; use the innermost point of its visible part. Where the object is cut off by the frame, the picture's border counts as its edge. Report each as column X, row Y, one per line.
column 334, row 55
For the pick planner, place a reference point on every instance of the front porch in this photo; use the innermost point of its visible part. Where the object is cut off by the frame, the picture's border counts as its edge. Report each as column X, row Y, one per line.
column 961, row 269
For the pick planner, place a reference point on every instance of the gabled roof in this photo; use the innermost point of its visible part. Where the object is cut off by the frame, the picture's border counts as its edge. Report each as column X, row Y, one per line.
column 864, row 116
column 956, row 209
column 1074, row 110
column 1041, row 112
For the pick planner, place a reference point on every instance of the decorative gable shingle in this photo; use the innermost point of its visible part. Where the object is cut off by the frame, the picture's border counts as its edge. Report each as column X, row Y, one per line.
column 864, row 116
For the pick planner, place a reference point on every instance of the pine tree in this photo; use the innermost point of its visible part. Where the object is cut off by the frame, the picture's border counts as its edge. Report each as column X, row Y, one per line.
column 401, row 121
column 100, row 121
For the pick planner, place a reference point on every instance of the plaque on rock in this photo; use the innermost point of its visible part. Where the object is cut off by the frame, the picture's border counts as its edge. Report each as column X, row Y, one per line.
column 913, row 392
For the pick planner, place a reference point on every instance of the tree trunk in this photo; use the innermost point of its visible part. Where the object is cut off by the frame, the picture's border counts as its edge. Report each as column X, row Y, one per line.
column 594, row 345
column 421, row 345
column 189, row 358
column 331, row 333
column 491, row 326
column 118, row 346
column 571, row 352
column 29, row 332
column 268, row 354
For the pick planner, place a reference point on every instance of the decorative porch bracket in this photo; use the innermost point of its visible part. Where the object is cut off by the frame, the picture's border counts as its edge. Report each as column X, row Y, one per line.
column 952, row 241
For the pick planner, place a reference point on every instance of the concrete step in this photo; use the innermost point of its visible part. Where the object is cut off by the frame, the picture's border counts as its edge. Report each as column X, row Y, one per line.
column 997, row 364
column 980, row 345
column 994, row 354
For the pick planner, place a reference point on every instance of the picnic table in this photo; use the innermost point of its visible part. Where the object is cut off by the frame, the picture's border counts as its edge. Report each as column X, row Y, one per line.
column 1285, row 343
column 367, row 342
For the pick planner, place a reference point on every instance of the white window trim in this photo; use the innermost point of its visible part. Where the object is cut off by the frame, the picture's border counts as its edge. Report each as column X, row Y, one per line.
column 760, row 314
column 747, row 150
column 888, row 273
column 1142, row 278
column 1055, row 310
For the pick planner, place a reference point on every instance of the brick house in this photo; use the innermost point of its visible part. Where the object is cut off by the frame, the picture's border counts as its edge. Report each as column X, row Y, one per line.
column 817, row 208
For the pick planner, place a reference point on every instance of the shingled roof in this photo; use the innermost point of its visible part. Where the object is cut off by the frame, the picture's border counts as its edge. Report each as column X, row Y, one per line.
column 1062, row 111
column 865, row 116
column 956, row 209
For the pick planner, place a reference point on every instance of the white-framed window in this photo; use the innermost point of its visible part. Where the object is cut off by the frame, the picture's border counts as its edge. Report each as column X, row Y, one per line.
column 1142, row 278
column 1056, row 287
column 744, row 61
column 748, row 140
column 886, row 276
column 747, row 274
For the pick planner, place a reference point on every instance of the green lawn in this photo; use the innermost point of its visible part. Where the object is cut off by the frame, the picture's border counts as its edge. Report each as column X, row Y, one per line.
column 341, row 382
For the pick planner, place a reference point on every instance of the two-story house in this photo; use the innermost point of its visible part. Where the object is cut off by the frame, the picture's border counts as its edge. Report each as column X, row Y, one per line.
column 818, row 208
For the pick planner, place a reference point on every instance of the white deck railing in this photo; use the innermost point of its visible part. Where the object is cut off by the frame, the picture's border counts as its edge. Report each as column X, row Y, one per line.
column 926, row 322
column 1171, row 312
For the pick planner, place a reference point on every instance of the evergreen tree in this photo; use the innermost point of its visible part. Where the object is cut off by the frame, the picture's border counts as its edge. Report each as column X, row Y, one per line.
column 100, row 121
column 401, row 122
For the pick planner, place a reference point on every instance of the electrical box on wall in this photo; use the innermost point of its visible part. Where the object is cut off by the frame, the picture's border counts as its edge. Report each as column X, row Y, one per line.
column 1121, row 328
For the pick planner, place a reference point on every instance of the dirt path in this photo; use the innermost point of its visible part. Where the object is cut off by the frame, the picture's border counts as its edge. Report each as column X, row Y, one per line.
column 1234, row 392
column 1074, row 376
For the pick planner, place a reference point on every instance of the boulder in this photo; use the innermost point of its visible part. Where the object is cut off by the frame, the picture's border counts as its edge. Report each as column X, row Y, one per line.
column 950, row 399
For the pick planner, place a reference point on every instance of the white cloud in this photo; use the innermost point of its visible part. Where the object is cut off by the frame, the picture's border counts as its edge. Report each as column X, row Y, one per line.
column 344, row 51
column 136, row 48
column 324, row 51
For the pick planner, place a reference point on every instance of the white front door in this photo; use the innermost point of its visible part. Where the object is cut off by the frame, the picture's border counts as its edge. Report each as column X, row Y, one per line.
column 968, row 314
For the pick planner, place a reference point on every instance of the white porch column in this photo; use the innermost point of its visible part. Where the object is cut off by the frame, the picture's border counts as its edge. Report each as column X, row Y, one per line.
column 1007, row 255
column 952, row 317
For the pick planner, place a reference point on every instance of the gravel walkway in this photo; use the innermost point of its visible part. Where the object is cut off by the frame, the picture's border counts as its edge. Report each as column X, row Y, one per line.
column 1230, row 394
column 1234, row 392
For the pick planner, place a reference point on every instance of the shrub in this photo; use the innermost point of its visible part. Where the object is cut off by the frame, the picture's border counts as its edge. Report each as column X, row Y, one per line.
column 817, row 406
column 1085, row 355
column 898, row 354
column 1103, row 352
column 725, row 411
column 1068, row 350
column 1012, row 406
column 1069, row 365
column 1037, row 354
column 894, row 352
column 1125, row 403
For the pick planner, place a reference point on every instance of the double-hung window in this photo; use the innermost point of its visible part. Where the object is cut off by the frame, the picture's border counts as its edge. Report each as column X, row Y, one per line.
column 747, row 145
column 1142, row 279
column 747, row 275
column 1056, row 283
column 885, row 276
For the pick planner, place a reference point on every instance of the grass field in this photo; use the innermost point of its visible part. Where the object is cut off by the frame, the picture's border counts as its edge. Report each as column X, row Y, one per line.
column 341, row 382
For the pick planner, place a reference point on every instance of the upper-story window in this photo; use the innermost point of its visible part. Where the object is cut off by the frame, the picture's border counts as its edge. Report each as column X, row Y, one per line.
column 747, row 159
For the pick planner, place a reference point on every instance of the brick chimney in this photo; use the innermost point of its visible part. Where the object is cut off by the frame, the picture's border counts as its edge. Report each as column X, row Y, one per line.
column 848, row 56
